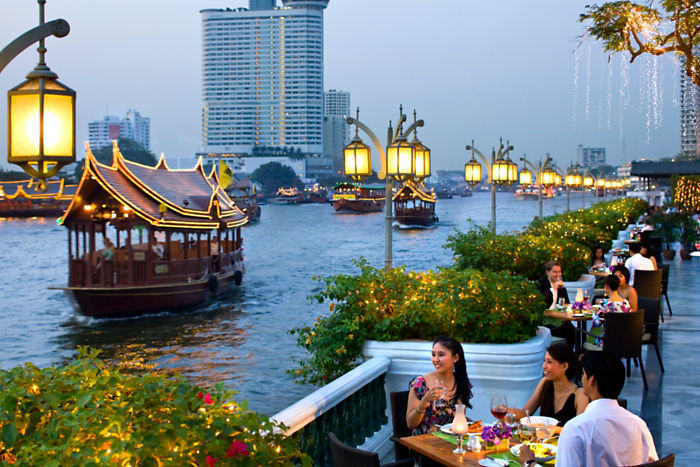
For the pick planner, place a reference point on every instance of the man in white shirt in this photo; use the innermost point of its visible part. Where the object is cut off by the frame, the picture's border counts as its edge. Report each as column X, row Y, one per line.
column 637, row 261
column 605, row 434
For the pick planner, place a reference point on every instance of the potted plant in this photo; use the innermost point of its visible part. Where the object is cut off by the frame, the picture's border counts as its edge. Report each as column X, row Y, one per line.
column 688, row 235
column 667, row 226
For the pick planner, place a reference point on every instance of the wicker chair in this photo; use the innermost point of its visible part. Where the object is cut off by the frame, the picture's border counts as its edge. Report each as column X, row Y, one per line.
column 651, row 325
column 399, row 403
column 665, row 268
column 347, row 456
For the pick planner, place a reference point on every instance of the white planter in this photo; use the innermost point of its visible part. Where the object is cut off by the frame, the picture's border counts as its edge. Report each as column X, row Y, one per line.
column 585, row 282
column 510, row 369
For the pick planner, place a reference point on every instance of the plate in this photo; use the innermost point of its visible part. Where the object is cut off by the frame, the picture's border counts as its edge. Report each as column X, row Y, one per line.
column 578, row 315
column 447, row 428
column 493, row 462
column 539, row 420
column 515, row 450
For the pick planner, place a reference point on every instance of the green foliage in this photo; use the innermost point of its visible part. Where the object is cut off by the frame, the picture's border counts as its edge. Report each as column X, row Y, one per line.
column 689, row 231
column 274, row 176
column 666, row 226
column 87, row 414
column 639, row 28
column 130, row 149
column 522, row 254
column 471, row 305
column 13, row 175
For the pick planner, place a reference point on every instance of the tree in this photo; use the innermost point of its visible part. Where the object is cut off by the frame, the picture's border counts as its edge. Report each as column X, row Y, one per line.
column 274, row 175
column 625, row 26
column 130, row 149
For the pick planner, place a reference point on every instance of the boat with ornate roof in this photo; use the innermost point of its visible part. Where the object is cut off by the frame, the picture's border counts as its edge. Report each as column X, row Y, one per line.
column 146, row 239
column 414, row 205
column 354, row 198
column 24, row 199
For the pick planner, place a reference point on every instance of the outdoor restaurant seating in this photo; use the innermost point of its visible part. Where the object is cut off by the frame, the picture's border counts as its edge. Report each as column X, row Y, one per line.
column 622, row 336
column 347, row 456
column 399, row 403
column 651, row 324
column 667, row 461
column 664, row 287
column 649, row 284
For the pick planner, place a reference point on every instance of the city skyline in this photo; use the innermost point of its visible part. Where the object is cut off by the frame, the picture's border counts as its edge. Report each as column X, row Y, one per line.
column 483, row 71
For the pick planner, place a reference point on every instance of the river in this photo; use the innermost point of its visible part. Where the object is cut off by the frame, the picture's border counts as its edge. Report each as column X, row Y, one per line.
column 241, row 340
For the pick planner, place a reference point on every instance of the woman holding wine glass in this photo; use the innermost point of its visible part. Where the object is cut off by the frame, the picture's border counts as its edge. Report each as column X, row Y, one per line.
column 556, row 395
column 432, row 397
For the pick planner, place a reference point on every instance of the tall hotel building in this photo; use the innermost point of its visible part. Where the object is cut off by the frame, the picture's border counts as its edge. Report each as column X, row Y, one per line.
column 262, row 77
column 690, row 118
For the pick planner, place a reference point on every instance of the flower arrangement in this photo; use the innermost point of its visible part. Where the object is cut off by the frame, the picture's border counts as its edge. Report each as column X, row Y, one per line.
column 493, row 435
column 580, row 306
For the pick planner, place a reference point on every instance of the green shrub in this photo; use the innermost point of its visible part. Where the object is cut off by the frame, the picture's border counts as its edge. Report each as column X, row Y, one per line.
column 522, row 254
column 471, row 305
column 87, row 414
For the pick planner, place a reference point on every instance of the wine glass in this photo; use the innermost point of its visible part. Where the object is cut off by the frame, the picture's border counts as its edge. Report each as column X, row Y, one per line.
column 526, row 433
column 440, row 389
column 499, row 406
column 542, row 434
column 509, row 419
column 586, row 295
column 562, row 302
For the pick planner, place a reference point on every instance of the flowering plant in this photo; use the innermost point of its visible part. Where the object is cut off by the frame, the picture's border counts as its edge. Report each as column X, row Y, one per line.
column 581, row 306
column 494, row 434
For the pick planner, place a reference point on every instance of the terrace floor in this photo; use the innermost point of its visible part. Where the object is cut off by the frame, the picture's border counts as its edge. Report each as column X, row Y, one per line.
column 671, row 405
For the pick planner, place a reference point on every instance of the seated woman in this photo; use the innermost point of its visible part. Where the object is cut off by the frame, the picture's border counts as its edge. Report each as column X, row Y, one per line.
column 422, row 412
column 613, row 304
column 648, row 252
column 556, row 395
column 597, row 257
column 625, row 290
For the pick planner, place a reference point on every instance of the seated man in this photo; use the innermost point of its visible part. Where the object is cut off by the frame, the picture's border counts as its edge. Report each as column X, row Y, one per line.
column 605, row 434
column 552, row 287
column 637, row 261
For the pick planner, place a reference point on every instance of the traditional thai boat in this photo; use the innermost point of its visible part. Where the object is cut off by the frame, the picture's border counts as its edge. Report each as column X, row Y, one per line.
column 23, row 199
column 354, row 198
column 532, row 192
column 286, row 196
column 414, row 205
column 145, row 239
column 242, row 193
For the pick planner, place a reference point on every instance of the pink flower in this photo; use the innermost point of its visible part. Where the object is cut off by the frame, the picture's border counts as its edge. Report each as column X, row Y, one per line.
column 211, row 461
column 200, row 395
column 238, row 448
column 208, row 400
column 419, row 382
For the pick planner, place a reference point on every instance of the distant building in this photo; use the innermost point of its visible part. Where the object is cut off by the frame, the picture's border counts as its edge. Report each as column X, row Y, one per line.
column 590, row 157
column 690, row 124
column 132, row 126
column 336, row 133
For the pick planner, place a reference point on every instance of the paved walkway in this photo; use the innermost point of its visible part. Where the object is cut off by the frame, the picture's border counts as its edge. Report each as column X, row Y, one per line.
column 671, row 405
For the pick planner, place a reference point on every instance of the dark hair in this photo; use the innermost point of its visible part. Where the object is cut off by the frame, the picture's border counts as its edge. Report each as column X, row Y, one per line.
column 612, row 281
column 608, row 371
column 561, row 352
column 625, row 272
column 463, row 390
column 550, row 264
column 594, row 250
column 635, row 247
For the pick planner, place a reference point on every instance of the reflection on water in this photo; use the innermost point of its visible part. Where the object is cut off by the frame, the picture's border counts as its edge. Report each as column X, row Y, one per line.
column 241, row 340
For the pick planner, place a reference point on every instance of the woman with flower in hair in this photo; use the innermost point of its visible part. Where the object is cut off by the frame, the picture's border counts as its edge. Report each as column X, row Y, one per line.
column 432, row 397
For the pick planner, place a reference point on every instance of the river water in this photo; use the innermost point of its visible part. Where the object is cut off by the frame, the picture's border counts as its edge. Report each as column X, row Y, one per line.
column 241, row 340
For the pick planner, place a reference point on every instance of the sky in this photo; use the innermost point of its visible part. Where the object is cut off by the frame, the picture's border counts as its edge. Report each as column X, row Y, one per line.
column 472, row 70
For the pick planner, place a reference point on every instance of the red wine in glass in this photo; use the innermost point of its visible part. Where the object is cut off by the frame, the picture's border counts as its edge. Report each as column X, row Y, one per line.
column 499, row 406
column 499, row 412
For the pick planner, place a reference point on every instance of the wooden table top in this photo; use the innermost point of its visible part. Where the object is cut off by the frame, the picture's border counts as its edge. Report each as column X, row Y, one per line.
column 441, row 451
column 563, row 315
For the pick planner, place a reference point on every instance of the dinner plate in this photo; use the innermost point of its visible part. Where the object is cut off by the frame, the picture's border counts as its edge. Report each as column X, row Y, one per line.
column 447, row 428
column 493, row 462
column 515, row 450
column 539, row 420
column 578, row 315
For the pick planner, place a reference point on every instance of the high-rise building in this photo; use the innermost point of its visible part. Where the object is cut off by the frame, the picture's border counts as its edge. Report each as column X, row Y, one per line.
column 590, row 157
column 262, row 77
column 132, row 126
column 690, row 124
column 336, row 103
column 336, row 133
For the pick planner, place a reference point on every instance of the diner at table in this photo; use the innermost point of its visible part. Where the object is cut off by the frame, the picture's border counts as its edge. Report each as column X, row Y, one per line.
column 637, row 262
column 555, row 295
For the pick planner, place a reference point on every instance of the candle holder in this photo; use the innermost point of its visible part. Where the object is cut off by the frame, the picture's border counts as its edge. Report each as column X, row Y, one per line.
column 459, row 427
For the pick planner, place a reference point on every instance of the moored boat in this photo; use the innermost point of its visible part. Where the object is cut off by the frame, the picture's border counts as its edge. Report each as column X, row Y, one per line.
column 532, row 192
column 145, row 239
column 355, row 198
column 23, row 199
column 286, row 196
column 414, row 205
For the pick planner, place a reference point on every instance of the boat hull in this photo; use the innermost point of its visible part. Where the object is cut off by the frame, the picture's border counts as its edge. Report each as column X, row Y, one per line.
column 115, row 302
column 423, row 221
column 354, row 206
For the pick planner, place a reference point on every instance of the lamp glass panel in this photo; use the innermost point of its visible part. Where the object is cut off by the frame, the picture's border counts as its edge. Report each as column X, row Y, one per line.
column 525, row 177
column 400, row 160
column 557, row 179
column 570, row 179
column 512, row 172
column 547, row 177
column 499, row 172
column 600, row 183
column 24, row 125
column 357, row 160
column 472, row 172
column 579, row 180
column 58, row 125
column 588, row 181
column 422, row 162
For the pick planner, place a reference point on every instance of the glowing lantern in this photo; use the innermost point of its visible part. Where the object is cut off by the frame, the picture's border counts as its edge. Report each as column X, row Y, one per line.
column 422, row 160
column 588, row 181
column 400, row 158
column 500, row 171
column 358, row 160
column 472, row 172
column 525, row 177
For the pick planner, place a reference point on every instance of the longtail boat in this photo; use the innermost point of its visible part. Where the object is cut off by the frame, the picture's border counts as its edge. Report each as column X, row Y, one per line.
column 24, row 199
column 414, row 205
column 145, row 239
column 354, row 198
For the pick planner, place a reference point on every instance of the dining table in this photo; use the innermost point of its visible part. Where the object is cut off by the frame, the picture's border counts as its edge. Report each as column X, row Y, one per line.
column 581, row 320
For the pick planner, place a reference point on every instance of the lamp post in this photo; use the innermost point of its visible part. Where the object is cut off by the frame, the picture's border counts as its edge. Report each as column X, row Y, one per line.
column 500, row 172
column 588, row 182
column 573, row 179
column 41, row 110
column 398, row 162
column 542, row 181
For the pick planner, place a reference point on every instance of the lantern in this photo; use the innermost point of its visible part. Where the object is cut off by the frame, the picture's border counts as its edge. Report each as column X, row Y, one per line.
column 557, row 179
column 608, row 184
column 422, row 160
column 400, row 158
column 499, row 172
column 600, row 183
column 512, row 171
column 525, row 177
column 588, row 181
column 548, row 176
column 472, row 172
column 41, row 124
column 358, row 160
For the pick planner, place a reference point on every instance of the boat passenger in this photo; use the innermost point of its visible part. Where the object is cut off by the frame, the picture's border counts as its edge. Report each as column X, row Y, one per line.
column 556, row 395
column 432, row 397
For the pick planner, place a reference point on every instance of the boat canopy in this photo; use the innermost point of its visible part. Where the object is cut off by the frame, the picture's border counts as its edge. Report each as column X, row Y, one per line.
column 412, row 190
column 55, row 189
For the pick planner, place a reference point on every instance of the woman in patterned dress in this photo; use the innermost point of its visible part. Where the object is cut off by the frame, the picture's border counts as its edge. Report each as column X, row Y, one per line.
column 614, row 304
column 449, row 383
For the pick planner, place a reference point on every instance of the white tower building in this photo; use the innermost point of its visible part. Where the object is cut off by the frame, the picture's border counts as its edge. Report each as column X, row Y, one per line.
column 690, row 123
column 133, row 126
column 262, row 77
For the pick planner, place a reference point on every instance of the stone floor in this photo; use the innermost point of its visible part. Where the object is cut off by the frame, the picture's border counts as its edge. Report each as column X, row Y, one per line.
column 671, row 405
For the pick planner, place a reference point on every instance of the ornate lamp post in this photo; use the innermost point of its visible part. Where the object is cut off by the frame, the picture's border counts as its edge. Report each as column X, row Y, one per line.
column 399, row 162
column 41, row 110
column 543, row 173
column 573, row 179
column 502, row 171
column 588, row 182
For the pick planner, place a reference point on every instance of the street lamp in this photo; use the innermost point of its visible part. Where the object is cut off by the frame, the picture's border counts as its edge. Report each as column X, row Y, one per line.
column 41, row 110
column 588, row 183
column 573, row 179
column 422, row 155
column 398, row 162
column 543, row 173
column 500, row 172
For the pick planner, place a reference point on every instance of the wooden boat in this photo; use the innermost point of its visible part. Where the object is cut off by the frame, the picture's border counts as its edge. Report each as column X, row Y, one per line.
column 145, row 239
column 314, row 194
column 22, row 199
column 532, row 192
column 466, row 192
column 355, row 198
column 243, row 194
column 414, row 205
column 286, row 196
